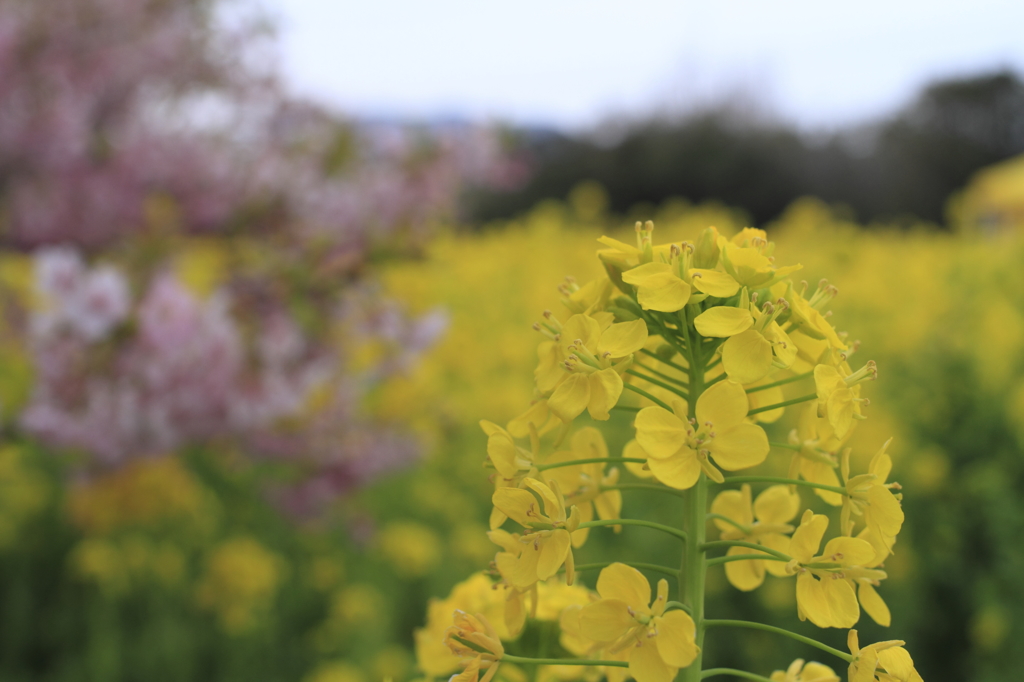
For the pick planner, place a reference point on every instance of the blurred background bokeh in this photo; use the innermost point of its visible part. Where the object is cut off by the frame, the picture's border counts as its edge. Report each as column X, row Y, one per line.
column 249, row 323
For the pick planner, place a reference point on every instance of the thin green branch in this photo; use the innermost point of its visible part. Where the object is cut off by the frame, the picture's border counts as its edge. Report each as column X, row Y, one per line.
column 735, row 524
column 635, row 522
column 743, row 674
column 747, row 545
column 657, row 357
column 780, row 382
column 789, row 481
column 646, row 486
column 627, row 408
column 679, row 605
column 657, row 382
column 779, row 631
column 657, row 568
column 742, row 557
column 718, row 378
column 509, row 658
column 664, row 376
column 589, row 460
column 787, row 403
column 713, row 363
column 647, row 395
column 787, row 446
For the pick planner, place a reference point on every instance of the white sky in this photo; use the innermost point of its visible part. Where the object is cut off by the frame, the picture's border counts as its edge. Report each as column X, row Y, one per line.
column 572, row 63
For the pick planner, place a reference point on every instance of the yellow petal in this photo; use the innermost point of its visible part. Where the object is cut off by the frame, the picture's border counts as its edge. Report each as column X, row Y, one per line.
column 502, row 452
column 739, row 447
column 518, row 504
column 664, row 293
column 842, row 603
column 625, row 583
column 583, row 328
column 571, row 397
column 646, row 665
column 884, row 515
column 550, row 370
column 783, row 347
column 863, row 669
column 537, row 415
column 735, row 505
column 769, row 396
column 723, row 321
column 819, row 472
column 779, row 543
column 813, row 600
column 897, row 662
column 807, row 537
column 680, row 471
column 609, row 504
column 818, row 672
column 659, row 432
column 552, row 553
column 714, row 282
column 641, row 275
column 623, row 338
column 724, row 405
column 747, row 265
column 605, row 620
column 744, row 575
column 840, row 411
column 605, row 389
column 873, row 603
column 633, row 450
column 676, row 640
column 777, row 504
column 747, row 357
column 849, row 551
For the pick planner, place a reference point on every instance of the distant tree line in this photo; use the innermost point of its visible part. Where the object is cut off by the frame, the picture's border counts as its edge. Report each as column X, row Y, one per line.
column 897, row 168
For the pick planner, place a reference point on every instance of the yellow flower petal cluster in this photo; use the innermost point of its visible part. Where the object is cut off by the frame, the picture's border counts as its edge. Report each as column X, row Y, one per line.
column 656, row 643
column 581, row 365
column 764, row 521
column 798, row 671
column 678, row 448
column 881, row 662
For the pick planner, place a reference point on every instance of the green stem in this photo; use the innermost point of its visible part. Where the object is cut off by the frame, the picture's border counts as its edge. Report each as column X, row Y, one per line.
column 634, row 522
column 589, row 460
column 779, row 631
column 627, row 408
column 787, row 403
column 742, row 557
column 787, row 446
column 694, row 562
column 747, row 545
column 789, row 481
column 645, row 486
column 714, row 363
column 509, row 658
column 663, row 360
column 647, row 395
column 780, row 382
column 743, row 674
column 635, row 564
column 668, row 387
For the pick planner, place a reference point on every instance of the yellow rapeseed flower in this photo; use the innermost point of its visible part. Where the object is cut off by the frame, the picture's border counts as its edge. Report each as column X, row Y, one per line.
column 798, row 671
column 823, row 595
column 764, row 521
column 881, row 662
column 583, row 484
column 658, row 642
column 756, row 342
column 580, row 367
column 678, row 448
column 548, row 544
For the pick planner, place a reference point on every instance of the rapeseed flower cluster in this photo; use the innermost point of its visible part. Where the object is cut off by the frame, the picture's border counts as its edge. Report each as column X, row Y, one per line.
column 702, row 345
